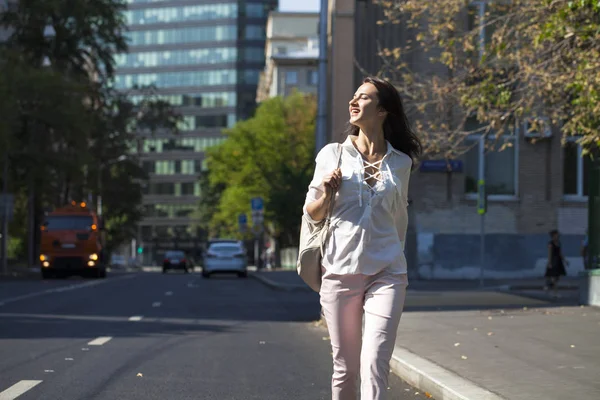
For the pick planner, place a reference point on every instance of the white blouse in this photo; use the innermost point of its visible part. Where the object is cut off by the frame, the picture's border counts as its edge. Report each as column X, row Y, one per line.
column 368, row 224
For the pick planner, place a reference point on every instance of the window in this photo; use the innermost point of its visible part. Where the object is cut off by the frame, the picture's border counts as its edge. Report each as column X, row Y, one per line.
column 178, row 79
column 255, row 10
column 313, row 78
column 254, row 54
column 255, row 32
column 197, row 100
column 205, row 12
column 501, row 167
column 291, row 77
column 251, row 76
column 576, row 170
column 182, row 35
column 169, row 211
column 179, row 57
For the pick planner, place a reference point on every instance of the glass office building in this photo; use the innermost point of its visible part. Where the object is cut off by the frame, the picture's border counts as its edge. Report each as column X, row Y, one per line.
column 205, row 57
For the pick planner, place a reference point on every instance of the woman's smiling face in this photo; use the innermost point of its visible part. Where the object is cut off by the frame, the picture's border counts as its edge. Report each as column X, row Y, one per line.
column 364, row 105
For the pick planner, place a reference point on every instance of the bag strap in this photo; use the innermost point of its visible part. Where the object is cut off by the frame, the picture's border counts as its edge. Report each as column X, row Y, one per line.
column 332, row 202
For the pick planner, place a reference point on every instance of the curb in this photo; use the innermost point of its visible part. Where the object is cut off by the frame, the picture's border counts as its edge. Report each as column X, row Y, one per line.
column 286, row 287
column 440, row 383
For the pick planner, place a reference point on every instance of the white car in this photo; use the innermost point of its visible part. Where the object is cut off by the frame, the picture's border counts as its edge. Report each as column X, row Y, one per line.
column 118, row 261
column 225, row 257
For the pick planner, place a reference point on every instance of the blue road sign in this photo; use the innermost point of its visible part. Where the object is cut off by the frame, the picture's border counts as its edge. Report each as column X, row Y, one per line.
column 242, row 219
column 257, row 204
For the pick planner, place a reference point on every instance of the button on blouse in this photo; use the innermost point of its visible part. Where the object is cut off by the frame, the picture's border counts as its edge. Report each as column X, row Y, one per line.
column 368, row 223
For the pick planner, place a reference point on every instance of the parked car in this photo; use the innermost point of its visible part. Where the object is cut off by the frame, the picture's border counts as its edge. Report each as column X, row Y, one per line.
column 118, row 261
column 226, row 257
column 176, row 259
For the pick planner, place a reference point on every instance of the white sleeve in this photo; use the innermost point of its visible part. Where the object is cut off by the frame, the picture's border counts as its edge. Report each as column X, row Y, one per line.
column 324, row 165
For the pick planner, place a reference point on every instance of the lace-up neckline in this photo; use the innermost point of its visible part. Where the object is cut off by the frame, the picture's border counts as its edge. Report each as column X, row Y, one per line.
column 372, row 173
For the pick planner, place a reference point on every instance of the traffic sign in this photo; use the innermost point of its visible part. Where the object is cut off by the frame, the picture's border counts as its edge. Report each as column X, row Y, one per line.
column 257, row 204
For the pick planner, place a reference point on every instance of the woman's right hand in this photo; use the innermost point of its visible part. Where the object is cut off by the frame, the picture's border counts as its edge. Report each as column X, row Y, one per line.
column 332, row 182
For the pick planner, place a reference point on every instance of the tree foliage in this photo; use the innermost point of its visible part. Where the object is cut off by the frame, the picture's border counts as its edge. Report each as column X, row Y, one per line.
column 66, row 132
column 525, row 59
column 270, row 155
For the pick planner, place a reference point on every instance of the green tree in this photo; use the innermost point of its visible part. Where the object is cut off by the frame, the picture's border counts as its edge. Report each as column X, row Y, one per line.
column 64, row 126
column 525, row 59
column 270, row 155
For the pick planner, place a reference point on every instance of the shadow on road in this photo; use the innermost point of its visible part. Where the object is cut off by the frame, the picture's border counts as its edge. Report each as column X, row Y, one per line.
column 193, row 304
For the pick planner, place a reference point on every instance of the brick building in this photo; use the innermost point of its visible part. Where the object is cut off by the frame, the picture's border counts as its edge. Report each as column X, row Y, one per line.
column 533, row 188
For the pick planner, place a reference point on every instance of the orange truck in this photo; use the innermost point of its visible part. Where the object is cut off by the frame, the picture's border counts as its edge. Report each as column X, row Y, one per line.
column 72, row 243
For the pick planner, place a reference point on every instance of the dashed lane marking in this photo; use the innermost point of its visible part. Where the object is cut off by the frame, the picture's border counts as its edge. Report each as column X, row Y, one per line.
column 136, row 318
column 99, row 341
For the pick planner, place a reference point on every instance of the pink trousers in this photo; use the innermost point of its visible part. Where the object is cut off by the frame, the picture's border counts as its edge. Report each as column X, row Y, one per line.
column 346, row 299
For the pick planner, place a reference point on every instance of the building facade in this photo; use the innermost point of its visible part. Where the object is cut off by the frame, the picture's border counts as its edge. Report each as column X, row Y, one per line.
column 291, row 52
column 533, row 187
column 204, row 57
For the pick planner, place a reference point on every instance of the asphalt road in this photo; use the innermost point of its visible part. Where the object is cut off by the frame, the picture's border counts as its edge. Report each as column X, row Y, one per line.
column 150, row 336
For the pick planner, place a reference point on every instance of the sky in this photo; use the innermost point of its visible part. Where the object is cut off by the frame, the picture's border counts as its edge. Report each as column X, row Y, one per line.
column 299, row 5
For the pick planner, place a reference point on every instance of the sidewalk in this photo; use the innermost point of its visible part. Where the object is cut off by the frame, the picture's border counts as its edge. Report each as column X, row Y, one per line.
column 509, row 341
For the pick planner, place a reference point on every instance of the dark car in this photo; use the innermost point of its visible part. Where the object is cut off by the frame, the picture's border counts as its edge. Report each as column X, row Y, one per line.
column 176, row 259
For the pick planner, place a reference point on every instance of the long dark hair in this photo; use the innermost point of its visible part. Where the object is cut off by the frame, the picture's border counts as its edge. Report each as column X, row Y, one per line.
column 396, row 128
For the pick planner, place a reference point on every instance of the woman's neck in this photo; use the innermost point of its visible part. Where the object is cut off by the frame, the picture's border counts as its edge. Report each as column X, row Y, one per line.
column 371, row 142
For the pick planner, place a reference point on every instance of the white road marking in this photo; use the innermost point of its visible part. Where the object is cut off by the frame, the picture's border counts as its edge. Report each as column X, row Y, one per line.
column 169, row 294
column 18, row 389
column 62, row 289
column 68, row 359
column 156, row 304
column 48, row 370
column 136, row 318
column 99, row 341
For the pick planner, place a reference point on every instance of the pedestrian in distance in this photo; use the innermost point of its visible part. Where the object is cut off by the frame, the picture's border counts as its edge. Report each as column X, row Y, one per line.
column 555, row 267
column 364, row 271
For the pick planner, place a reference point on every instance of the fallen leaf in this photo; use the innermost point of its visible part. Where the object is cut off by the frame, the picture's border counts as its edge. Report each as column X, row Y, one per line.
column 140, row 374
column 464, row 357
column 490, row 333
column 456, row 344
column 524, row 308
column 489, row 317
column 326, row 338
column 428, row 395
column 572, row 346
column 475, row 329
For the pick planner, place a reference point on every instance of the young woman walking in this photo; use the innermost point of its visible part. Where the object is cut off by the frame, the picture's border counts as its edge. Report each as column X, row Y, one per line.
column 364, row 267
